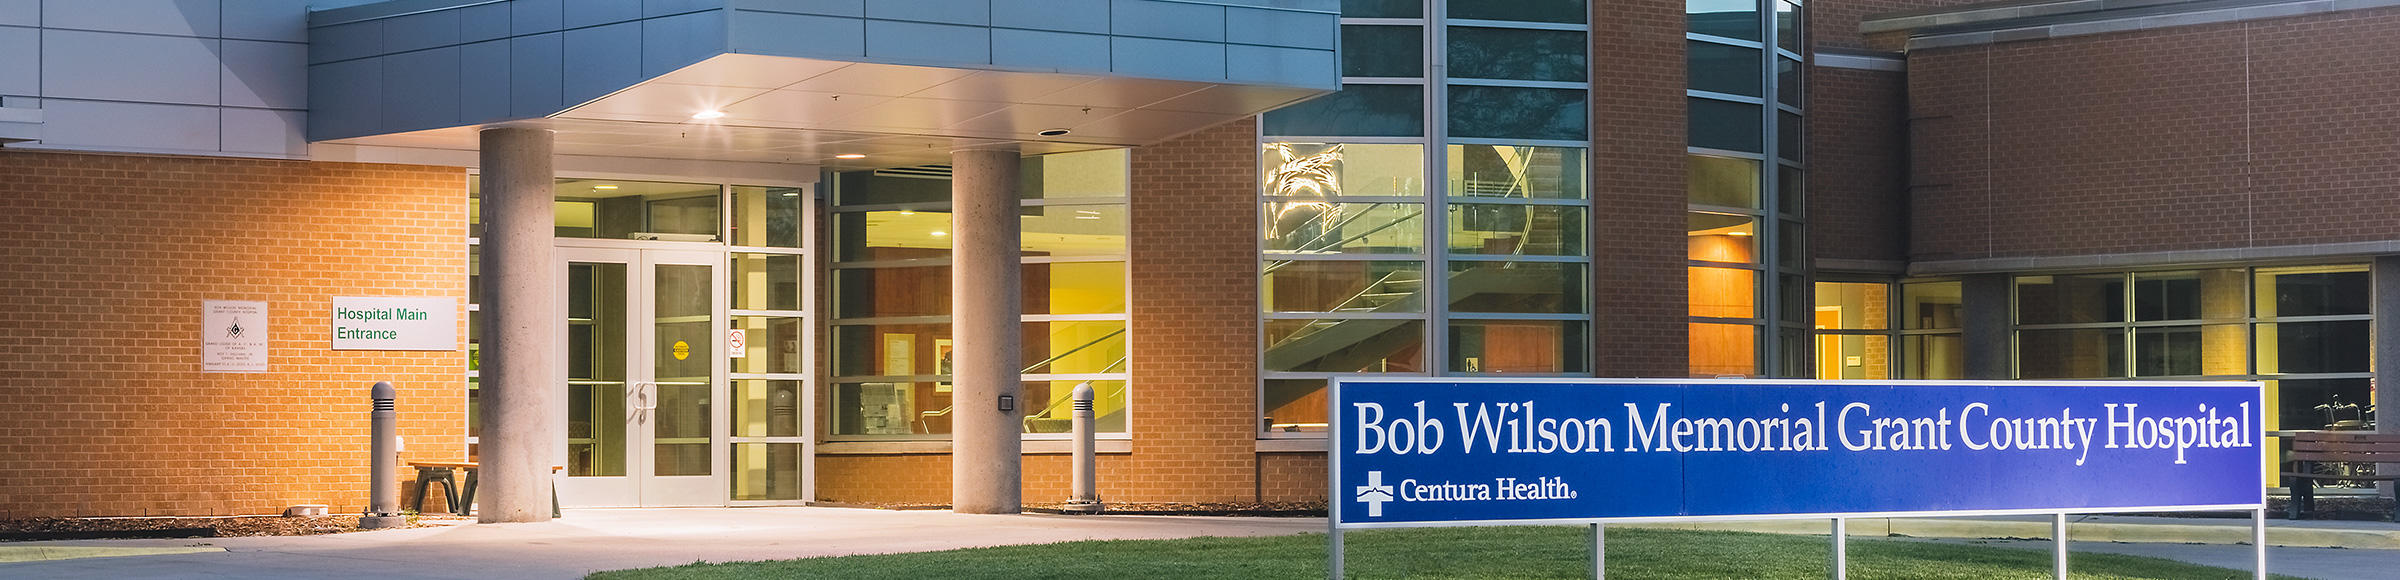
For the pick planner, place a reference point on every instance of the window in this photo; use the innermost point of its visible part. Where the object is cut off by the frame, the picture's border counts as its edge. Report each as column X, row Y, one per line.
column 890, row 278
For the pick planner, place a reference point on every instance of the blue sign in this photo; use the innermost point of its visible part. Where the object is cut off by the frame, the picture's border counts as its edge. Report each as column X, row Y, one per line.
column 1450, row 451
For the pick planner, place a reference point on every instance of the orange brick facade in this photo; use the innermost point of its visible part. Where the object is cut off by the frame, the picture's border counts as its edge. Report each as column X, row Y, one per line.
column 104, row 410
column 1638, row 284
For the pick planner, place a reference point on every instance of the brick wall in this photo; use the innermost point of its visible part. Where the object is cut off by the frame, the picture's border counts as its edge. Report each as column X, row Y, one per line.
column 1638, row 189
column 103, row 408
column 1857, row 196
column 1195, row 335
column 2265, row 133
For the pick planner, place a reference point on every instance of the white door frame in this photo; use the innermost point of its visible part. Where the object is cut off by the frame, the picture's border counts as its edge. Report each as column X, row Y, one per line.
column 638, row 487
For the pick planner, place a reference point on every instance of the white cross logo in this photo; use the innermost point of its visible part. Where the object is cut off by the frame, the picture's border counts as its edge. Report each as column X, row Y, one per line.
column 1374, row 494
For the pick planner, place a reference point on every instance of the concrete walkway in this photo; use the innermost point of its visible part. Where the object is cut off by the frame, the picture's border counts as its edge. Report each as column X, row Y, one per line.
column 593, row 540
column 586, row 541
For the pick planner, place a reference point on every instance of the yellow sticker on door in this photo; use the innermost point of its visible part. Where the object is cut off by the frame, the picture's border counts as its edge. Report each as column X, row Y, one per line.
column 683, row 350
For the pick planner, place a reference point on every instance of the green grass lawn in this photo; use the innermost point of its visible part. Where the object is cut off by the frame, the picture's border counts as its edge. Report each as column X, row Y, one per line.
column 1512, row 552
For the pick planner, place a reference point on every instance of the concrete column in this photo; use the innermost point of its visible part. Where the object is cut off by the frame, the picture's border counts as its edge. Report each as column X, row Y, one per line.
column 520, row 306
column 985, row 454
column 1988, row 325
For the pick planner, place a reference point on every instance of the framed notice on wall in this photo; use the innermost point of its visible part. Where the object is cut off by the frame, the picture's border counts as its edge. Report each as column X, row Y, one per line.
column 233, row 336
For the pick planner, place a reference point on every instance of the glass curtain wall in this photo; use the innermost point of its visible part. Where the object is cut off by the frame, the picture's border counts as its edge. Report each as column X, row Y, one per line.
column 890, row 325
column 1748, row 277
column 1426, row 224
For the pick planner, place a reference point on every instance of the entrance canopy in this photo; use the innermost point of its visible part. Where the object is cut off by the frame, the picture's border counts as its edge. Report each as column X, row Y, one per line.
column 902, row 82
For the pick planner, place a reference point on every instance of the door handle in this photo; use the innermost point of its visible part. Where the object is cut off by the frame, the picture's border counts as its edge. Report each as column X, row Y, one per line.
column 645, row 393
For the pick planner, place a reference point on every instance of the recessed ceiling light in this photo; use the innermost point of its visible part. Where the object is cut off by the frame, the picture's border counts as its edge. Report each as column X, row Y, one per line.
column 1053, row 132
column 939, row 233
column 605, row 187
column 851, row 156
column 709, row 114
column 1737, row 233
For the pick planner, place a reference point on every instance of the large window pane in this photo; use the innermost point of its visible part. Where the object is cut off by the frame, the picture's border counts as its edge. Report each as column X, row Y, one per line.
column 774, row 344
column 1716, row 237
column 1383, row 9
column 767, row 216
column 891, row 408
column 1344, row 286
column 882, row 292
column 1725, row 125
column 2215, row 349
column 1321, row 227
column 1345, row 346
column 1720, row 68
column 1518, row 113
column 1356, row 110
column 1723, row 292
column 2190, row 295
column 1518, row 54
column 1853, row 306
column 619, row 210
column 1518, row 346
column 1383, row 51
column 1073, row 230
column 2340, row 346
column 1074, row 288
column 1724, row 350
column 1342, row 169
column 1293, row 406
column 2083, row 353
column 862, row 350
column 1787, row 26
column 766, row 471
column 1727, row 18
column 1559, row 11
column 763, row 408
column 891, row 235
column 1790, row 191
column 899, row 185
column 1787, row 82
column 1524, row 287
column 2314, row 291
column 1854, row 356
column 1516, row 171
column 1931, row 306
column 2070, row 299
column 1789, row 138
column 1089, row 174
column 2322, row 403
column 1074, row 347
column 1052, row 408
column 1723, row 181
column 1517, row 230
column 1933, row 357
column 766, row 282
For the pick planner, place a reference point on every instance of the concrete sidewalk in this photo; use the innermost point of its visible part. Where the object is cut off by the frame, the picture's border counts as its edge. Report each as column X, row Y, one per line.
column 586, row 541
column 593, row 540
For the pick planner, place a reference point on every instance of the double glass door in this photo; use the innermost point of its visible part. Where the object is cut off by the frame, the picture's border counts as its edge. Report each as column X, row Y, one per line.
column 642, row 376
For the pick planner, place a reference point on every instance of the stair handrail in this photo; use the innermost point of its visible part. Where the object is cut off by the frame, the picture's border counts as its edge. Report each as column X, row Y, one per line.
column 922, row 416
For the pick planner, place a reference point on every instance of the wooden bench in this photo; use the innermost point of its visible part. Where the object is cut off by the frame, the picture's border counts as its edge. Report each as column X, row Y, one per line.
column 2310, row 448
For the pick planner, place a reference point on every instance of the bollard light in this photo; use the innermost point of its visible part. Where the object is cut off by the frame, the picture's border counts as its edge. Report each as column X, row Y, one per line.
column 1087, row 492
column 383, row 460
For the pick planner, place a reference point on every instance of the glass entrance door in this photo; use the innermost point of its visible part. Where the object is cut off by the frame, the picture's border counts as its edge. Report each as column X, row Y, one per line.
column 642, row 378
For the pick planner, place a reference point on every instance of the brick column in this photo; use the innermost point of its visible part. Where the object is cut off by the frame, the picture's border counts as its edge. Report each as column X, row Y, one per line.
column 1195, row 336
column 1640, row 316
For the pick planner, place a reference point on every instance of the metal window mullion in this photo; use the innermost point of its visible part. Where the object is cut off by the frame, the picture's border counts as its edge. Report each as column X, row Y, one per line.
column 1437, row 188
column 1770, row 285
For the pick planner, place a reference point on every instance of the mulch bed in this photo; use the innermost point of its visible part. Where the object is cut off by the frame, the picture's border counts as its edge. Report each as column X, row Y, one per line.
column 188, row 527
